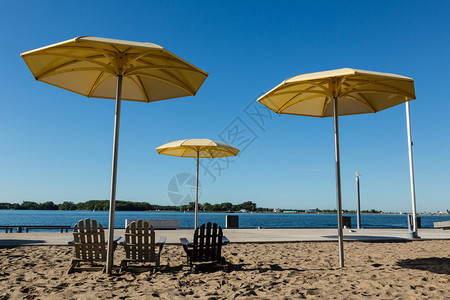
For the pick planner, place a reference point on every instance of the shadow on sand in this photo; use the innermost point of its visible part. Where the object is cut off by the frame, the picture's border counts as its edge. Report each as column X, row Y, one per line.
column 439, row 265
column 369, row 238
column 10, row 243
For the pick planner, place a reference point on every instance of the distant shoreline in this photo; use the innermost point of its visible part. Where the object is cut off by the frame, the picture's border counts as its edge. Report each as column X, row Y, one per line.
column 240, row 212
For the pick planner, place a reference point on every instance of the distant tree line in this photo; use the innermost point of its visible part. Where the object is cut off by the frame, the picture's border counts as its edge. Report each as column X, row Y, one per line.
column 345, row 211
column 98, row 205
column 103, row 205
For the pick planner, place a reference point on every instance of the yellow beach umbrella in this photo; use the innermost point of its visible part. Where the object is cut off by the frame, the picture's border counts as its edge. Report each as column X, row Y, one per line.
column 336, row 93
column 114, row 69
column 197, row 148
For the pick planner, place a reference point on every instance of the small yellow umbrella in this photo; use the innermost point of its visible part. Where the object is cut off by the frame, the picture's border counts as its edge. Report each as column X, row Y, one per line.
column 204, row 148
column 114, row 69
column 336, row 93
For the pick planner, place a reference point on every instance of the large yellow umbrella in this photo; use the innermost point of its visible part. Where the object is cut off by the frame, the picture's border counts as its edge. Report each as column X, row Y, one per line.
column 197, row 148
column 336, row 93
column 114, row 69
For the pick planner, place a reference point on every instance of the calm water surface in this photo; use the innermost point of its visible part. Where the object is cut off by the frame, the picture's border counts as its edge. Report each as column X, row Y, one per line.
column 246, row 220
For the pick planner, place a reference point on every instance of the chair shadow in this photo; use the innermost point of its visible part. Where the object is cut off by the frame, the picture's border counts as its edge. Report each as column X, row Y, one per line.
column 207, row 268
column 439, row 265
column 170, row 269
column 272, row 267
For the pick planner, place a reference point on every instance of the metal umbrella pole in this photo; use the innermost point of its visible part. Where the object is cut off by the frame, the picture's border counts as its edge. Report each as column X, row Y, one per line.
column 338, row 183
column 112, row 202
column 414, row 232
column 196, row 193
column 358, row 203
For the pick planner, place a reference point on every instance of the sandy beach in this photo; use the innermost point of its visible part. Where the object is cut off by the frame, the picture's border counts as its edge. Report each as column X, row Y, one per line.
column 385, row 270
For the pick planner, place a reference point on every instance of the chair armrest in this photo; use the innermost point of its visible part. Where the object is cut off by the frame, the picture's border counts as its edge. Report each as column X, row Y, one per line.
column 120, row 240
column 71, row 241
column 160, row 243
column 225, row 240
column 185, row 242
column 116, row 239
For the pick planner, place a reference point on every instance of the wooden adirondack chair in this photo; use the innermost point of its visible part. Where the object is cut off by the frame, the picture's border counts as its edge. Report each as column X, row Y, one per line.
column 207, row 245
column 90, row 245
column 139, row 244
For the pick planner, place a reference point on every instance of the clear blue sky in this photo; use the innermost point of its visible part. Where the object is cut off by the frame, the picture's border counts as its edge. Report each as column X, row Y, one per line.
column 56, row 145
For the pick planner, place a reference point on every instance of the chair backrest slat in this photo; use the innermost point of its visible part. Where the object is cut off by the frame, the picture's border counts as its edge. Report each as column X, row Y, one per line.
column 89, row 240
column 207, row 242
column 140, row 242
column 96, row 251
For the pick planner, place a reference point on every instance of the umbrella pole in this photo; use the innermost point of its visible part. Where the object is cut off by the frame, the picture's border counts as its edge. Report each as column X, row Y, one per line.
column 414, row 233
column 338, row 182
column 112, row 202
column 196, row 194
column 358, row 204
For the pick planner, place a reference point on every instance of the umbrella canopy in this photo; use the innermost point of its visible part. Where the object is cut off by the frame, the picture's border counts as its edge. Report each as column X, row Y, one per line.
column 204, row 148
column 358, row 92
column 114, row 69
column 334, row 93
column 89, row 66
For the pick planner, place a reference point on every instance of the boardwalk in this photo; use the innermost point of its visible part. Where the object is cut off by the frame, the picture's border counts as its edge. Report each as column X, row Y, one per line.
column 241, row 235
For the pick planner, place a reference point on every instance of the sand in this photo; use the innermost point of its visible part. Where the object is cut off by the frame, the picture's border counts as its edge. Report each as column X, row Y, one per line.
column 402, row 270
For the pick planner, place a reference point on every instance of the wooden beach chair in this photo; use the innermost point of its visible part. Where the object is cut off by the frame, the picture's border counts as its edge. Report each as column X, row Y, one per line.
column 140, row 246
column 90, row 245
column 207, row 245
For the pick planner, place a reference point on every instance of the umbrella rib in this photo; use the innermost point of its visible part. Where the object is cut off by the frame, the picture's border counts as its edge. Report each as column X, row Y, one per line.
column 132, row 70
column 381, row 83
column 98, row 80
column 140, row 85
column 185, row 151
column 208, row 150
column 310, row 90
column 288, row 103
column 229, row 151
column 292, row 101
column 327, row 101
column 182, row 86
column 364, row 101
column 40, row 77
column 75, row 60
column 178, row 61
column 97, row 83
column 318, row 85
column 179, row 82
column 105, row 54
column 186, row 66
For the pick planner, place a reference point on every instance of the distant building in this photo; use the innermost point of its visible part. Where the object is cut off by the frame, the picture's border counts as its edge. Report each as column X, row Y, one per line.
column 276, row 210
column 244, row 210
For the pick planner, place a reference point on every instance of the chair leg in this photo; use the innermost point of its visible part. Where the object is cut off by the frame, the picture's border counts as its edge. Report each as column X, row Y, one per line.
column 123, row 266
column 193, row 269
column 73, row 264
column 157, row 264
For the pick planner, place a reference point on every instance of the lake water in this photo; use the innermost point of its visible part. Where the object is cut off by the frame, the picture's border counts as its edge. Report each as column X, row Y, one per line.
column 246, row 220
